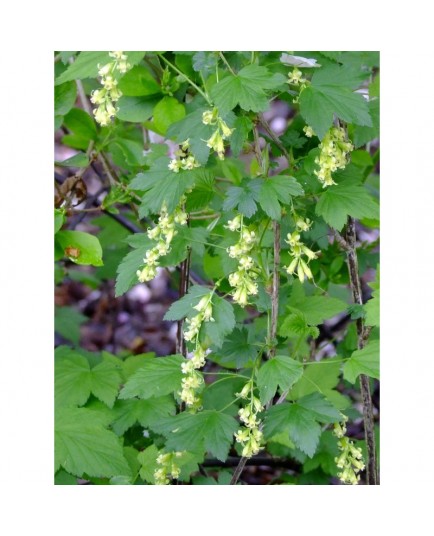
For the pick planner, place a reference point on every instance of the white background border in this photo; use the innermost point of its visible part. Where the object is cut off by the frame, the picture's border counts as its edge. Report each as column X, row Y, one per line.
column 403, row 34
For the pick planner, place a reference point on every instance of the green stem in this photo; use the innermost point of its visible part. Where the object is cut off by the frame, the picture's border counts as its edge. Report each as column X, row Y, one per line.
column 225, row 61
column 189, row 80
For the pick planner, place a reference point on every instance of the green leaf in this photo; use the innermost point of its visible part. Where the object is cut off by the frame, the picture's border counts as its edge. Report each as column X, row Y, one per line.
column 363, row 135
column 246, row 89
column 335, row 75
column 62, row 478
column 243, row 125
column 328, row 96
column 126, row 413
column 136, row 109
column 205, row 62
column 203, row 191
column 192, row 128
column 321, row 376
column 67, row 322
column 81, row 124
column 280, row 371
column 59, row 219
column 79, row 160
column 184, row 307
column 221, row 395
column 343, row 200
column 238, row 348
column 84, row 446
column 169, row 110
column 132, row 363
column 85, row 66
column 138, row 82
column 64, row 97
column 224, row 321
column 296, row 324
column 366, row 361
column 280, row 188
column 161, row 185
column 320, row 408
column 208, row 429
column 75, row 380
column 148, row 463
column 316, row 309
column 299, row 422
column 244, row 197
column 105, row 382
column 72, row 380
column 126, row 272
column 158, row 377
column 79, row 247
column 127, row 153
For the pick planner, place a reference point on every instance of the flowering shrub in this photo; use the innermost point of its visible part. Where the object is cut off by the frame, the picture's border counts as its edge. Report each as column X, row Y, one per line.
column 269, row 235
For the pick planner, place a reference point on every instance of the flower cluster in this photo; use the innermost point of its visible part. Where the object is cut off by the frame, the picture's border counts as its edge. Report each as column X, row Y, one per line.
column 335, row 149
column 222, row 132
column 109, row 94
column 184, row 160
column 308, row 131
column 350, row 460
column 249, row 435
column 243, row 280
column 193, row 379
column 168, row 468
column 297, row 249
column 163, row 234
column 295, row 78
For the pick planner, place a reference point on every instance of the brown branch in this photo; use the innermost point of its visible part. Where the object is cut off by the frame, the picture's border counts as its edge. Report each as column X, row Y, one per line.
column 255, row 462
column 183, row 288
column 363, row 334
column 275, row 291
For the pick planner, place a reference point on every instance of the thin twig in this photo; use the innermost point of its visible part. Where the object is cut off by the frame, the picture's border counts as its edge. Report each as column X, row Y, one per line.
column 257, row 147
column 275, row 290
column 363, row 334
column 256, row 461
column 274, row 137
column 183, row 289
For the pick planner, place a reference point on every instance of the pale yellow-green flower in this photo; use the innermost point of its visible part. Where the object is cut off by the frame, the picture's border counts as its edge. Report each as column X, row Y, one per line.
column 250, row 435
column 297, row 249
column 223, row 132
column 335, row 149
column 110, row 93
column 243, row 279
column 351, row 459
column 163, row 233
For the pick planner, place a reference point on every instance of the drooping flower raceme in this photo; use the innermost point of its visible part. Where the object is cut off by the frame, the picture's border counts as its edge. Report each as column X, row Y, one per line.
column 249, row 435
column 350, row 460
column 162, row 234
column 335, row 149
column 109, row 94
column 169, row 469
column 243, row 280
column 184, row 160
column 297, row 249
column 222, row 132
column 193, row 379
